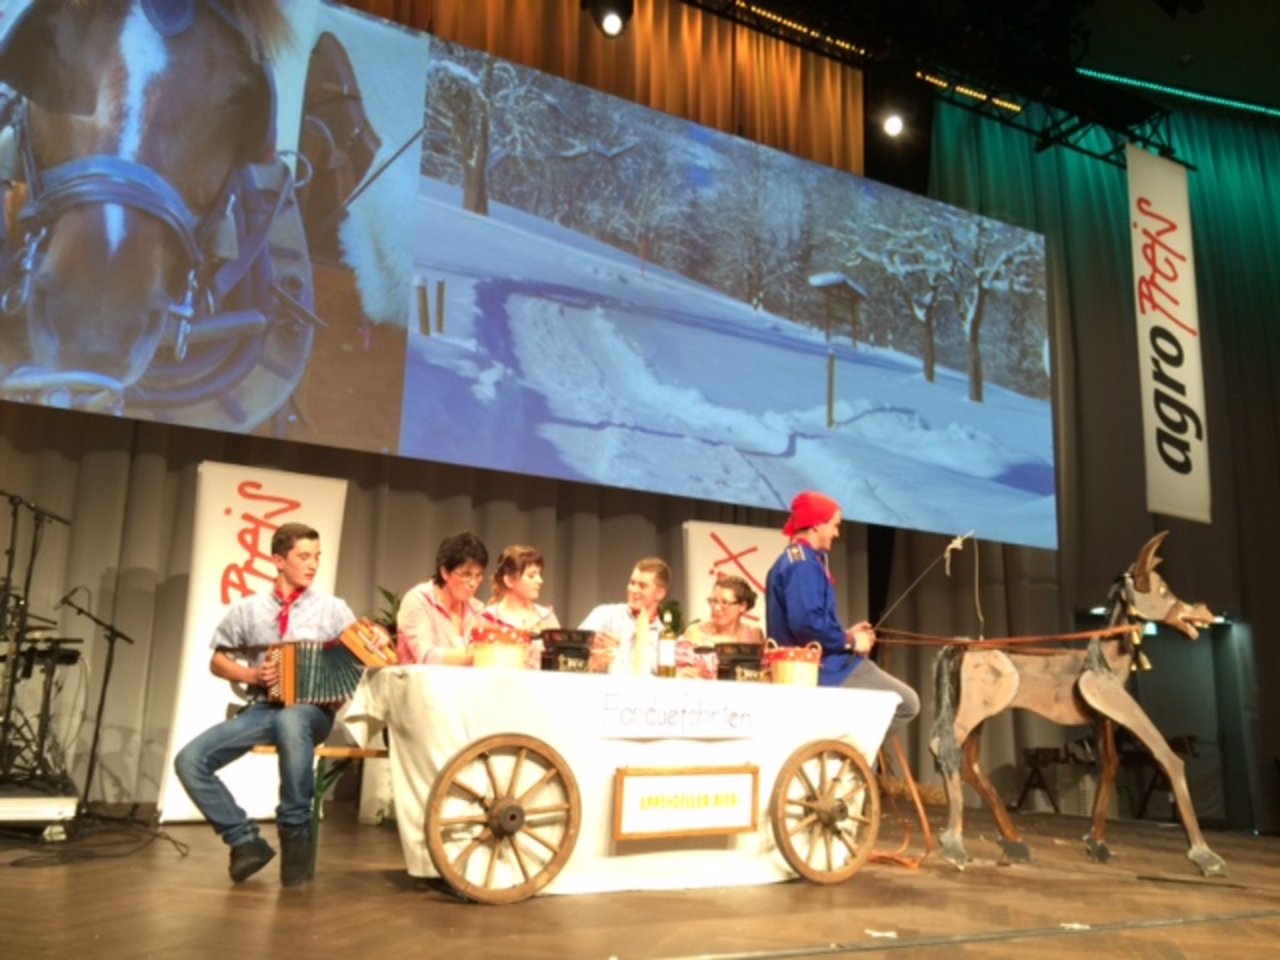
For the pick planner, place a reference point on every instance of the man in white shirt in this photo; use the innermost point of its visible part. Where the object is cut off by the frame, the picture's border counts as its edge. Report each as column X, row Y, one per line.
column 627, row 633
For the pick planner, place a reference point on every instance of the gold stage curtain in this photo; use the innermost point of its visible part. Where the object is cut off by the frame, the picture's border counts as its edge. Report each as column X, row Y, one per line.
column 673, row 57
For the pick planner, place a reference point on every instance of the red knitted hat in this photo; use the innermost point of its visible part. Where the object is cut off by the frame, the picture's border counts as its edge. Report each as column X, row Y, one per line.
column 809, row 509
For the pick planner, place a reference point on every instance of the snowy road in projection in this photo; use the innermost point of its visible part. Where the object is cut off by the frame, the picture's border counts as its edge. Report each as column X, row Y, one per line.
column 564, row 358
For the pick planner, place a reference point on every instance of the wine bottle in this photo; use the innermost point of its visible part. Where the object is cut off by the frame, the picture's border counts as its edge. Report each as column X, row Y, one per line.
column 667, row 647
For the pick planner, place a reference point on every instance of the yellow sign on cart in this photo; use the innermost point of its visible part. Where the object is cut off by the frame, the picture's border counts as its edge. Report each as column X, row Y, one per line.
column 657, row 802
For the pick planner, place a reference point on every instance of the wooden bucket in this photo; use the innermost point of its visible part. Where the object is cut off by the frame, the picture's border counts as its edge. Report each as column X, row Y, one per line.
column 499, row 646
column 793, row 666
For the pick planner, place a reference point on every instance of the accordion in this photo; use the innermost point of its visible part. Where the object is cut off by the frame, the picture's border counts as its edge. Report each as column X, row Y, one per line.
column 327, row 674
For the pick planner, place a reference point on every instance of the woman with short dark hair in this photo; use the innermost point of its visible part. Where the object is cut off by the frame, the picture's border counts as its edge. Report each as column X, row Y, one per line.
column 435, row 619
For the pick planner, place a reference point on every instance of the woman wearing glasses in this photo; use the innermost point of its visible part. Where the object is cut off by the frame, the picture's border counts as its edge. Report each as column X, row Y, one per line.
column 731, row 599
column 435, row 618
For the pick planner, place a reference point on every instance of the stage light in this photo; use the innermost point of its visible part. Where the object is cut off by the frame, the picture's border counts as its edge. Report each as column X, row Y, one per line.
column 893, row 125
column 611, row 16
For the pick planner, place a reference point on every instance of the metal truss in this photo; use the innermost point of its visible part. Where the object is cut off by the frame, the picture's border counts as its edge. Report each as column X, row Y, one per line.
column 1049, row 102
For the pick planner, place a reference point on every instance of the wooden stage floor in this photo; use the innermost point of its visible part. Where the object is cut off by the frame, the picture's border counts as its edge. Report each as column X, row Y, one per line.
column 115, row 893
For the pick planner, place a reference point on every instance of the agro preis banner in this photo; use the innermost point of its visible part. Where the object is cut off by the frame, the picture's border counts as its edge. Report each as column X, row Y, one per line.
column 1175, row 436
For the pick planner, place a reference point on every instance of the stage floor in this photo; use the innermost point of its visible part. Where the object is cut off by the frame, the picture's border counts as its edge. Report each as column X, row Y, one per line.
column 114, row 893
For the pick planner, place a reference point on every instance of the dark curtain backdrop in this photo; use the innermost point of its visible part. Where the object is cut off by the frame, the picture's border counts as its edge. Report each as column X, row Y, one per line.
column 129, row 487
column 1081, row 203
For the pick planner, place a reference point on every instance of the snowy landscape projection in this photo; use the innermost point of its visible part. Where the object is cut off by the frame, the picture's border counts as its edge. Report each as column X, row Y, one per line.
column 612, row 295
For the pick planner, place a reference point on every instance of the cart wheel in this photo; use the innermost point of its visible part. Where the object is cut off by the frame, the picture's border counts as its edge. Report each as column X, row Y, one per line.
column 502, row 818
column 825, row 811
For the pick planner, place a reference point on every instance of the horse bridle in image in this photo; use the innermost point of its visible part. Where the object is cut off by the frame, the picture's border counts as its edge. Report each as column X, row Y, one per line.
column 250, row 249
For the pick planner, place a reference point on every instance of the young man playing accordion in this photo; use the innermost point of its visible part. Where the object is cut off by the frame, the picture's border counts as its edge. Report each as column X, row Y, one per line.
column 292, row 611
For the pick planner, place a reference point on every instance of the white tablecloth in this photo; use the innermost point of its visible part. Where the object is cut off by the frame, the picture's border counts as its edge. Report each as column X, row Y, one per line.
column 598, row 724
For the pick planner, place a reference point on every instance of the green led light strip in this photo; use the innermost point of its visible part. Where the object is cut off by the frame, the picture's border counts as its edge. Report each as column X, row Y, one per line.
column 1177, row 92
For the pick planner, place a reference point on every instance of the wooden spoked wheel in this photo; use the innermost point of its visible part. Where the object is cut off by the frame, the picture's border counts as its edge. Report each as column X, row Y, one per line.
column 502, row 818
column 825, row 811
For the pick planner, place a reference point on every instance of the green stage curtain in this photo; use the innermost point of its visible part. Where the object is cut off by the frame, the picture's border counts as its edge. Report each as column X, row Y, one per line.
column 1080, row 203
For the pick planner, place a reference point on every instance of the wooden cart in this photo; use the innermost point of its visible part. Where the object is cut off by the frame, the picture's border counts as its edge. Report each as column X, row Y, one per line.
column 501, row 816
column 504, row 814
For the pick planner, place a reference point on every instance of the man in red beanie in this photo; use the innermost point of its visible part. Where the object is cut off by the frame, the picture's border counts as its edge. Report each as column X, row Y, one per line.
column 801, row 606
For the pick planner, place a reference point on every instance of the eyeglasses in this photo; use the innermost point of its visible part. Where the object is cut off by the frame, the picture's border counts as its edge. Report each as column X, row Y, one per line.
column 717, row 602
column 474, row 577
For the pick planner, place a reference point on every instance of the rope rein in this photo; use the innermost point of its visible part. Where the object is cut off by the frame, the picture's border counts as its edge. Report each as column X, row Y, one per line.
column 956, row 544
column 1024, row 644
column 907, row 638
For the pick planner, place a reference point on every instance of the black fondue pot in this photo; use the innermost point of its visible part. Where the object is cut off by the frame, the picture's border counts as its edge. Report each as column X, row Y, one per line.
column 568, row 651
column 739, row 661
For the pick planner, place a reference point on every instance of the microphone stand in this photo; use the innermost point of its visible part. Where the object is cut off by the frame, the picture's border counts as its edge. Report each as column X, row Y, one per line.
column 112, row 636
column 13, row 632
column 9, row 635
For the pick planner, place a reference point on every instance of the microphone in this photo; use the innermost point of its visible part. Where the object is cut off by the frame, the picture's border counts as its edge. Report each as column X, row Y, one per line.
column 66, row 599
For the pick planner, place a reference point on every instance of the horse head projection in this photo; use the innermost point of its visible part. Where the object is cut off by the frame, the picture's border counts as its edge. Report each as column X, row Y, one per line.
column 133, row 125
column 1068, row 686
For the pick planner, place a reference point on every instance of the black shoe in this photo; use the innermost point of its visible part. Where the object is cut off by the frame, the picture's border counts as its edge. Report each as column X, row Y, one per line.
column 248, row 858
column 295, row 862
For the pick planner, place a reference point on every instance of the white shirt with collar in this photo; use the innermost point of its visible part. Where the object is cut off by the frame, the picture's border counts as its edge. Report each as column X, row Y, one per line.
column 617, row 620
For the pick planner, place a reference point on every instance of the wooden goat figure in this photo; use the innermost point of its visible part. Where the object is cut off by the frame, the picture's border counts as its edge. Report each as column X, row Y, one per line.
column 1067, row 686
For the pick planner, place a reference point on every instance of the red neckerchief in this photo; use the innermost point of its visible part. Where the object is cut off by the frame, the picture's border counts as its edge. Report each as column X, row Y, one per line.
column 822, row 556
column 285, row 603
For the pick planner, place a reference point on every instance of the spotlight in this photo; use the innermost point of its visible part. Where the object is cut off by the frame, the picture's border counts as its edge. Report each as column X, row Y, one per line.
column 893, row 125
column 611, row 16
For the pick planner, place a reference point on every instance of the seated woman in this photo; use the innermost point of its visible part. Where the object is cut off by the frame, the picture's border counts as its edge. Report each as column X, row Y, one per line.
column 731, row 598
column 517, row 582
column 435, row 619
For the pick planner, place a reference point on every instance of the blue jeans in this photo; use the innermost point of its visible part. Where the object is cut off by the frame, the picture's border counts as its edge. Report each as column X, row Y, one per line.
column 294, row 731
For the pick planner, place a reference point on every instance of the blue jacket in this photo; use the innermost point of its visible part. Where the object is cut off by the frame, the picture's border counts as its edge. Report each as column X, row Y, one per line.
column 800, row 607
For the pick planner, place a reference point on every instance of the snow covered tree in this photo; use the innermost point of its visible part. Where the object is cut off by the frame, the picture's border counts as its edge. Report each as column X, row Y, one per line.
column 763, row 236
column 491, row 125
column 997, row 259
column 911, row 255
